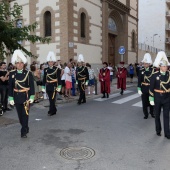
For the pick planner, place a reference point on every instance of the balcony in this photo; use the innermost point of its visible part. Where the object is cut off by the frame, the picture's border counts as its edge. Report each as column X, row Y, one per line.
column 167, row 27
column 167, row 40
column 168, row 15
column 168, row 3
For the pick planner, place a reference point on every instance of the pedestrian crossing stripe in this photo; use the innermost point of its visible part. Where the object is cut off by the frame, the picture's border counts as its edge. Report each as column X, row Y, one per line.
column 127, row 99
column 112, row 96
column 138, row 104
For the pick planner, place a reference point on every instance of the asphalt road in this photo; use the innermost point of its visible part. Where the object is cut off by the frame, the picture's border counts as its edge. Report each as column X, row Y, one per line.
column 113, row 128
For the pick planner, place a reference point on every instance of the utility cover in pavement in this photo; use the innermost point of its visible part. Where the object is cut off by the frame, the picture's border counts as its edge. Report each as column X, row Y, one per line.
column 81, row 153
column 6, row 121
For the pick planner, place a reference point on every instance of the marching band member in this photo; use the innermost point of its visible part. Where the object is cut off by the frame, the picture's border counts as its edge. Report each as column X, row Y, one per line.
column 21, row 90
column 52, row 82
column 143, row 84
column 82, row 78
column 159, row 92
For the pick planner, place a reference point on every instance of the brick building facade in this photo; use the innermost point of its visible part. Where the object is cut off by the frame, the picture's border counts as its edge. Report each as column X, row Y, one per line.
column 94, row 28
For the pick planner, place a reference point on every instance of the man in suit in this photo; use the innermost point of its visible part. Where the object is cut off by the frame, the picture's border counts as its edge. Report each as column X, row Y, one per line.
column 21, row 90
column 51, row 82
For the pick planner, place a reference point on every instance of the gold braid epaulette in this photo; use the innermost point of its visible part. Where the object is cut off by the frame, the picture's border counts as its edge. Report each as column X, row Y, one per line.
column 48, row 75
column 12, row 71
column 151, row 93
column 81, row 72
column 20, row 81
column 147, row 77
column 155, row 72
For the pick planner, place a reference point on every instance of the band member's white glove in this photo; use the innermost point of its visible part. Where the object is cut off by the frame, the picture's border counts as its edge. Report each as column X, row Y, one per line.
column 31, row 100
column 11, row 102
column 43, row 90
column 140, row 92
column 86, row 83
column 58, row 88
column 76, row 82
column 152, row 103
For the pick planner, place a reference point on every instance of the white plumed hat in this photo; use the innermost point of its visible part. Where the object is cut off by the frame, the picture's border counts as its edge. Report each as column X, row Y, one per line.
column 18, row 56
column 51, row 56
column 161, row 59
column 80, row 58
column 147, row 58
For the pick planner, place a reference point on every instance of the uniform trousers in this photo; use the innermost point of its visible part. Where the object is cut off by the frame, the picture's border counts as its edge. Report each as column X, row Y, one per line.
column 146, row 104
column 4, row 96
column 162, row 101
column 81, row 86
column 52, row 108
column 23, row 118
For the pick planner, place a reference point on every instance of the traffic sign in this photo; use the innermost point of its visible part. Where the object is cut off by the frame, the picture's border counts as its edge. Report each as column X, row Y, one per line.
column 122, row 50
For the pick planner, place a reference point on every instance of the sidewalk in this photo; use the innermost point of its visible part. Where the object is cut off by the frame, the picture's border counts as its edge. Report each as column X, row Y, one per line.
column 92, row 96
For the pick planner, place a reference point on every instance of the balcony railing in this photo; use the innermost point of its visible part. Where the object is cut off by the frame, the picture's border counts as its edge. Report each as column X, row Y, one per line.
column 167, row 27
column 167, row 40
column 148, row 48
column 167, row 13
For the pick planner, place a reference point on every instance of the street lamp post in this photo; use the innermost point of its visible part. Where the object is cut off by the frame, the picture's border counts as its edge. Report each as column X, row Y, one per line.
column 153, row 38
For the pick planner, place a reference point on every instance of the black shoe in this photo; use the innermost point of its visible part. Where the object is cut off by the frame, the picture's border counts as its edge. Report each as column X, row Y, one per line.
column 1, row 112
column 8, row 109
column 107, row 95
column 24, row 136
column 145, row 117
column 59, row 99
column 52, row 114
column 158, row 133
column 153, row 116
column 167, row 136
column 27, row 131
column 79, row 103
column 83, row 102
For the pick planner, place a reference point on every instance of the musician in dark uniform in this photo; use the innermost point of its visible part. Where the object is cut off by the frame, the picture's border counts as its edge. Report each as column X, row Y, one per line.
column 159, row 92
column 144, row 77
column 52, row 82
column 82, row 78
column 21, row 90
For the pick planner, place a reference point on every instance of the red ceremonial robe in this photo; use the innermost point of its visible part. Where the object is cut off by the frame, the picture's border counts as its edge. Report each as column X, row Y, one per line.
column 121, row 78
column 104, row 78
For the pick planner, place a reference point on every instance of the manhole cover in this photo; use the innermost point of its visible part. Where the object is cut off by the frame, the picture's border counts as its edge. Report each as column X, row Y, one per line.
column 77, row 153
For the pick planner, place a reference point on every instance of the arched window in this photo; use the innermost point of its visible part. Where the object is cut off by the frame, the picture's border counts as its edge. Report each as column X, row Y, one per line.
column 83, row 25
column 133, row 40
column 112, row 25
column 47, row 23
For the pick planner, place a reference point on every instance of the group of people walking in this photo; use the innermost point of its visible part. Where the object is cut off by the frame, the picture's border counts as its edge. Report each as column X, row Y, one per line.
column 153, row 86
column 22, row 87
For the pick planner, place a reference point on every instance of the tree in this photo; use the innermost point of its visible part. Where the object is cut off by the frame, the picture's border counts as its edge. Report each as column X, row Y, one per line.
column 10, row 35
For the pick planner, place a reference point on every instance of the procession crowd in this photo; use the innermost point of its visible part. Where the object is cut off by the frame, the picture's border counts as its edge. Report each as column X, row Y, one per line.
column 21, row 86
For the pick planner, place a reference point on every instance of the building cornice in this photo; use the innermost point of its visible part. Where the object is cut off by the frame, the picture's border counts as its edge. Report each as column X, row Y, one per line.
column 118, row 5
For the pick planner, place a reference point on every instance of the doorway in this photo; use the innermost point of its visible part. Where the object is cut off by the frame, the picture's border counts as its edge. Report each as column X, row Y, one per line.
column 111, row 48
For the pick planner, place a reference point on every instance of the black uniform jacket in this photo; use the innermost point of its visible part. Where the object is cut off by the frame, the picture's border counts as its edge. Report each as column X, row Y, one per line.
column 82, row 74
column 160, row 82
column 20, row 81
column 52, row 74
column 144, row 79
